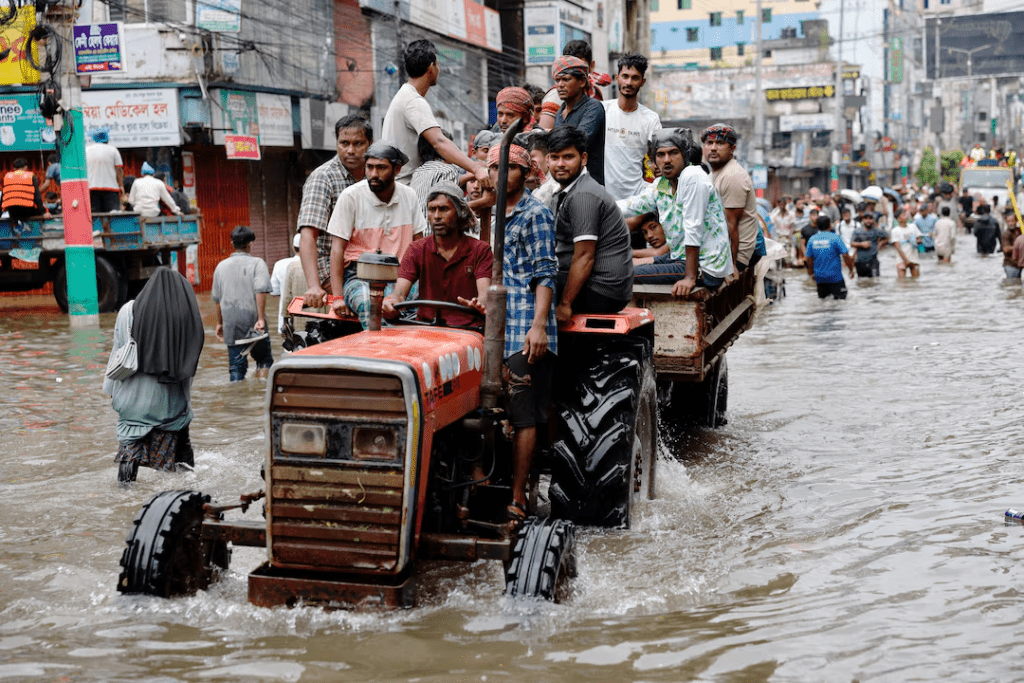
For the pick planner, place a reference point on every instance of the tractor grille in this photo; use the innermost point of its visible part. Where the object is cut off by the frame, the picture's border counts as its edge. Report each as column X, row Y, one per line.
column 339, row 509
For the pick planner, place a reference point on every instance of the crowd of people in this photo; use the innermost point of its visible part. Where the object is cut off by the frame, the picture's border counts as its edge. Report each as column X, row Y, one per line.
column 919, row 222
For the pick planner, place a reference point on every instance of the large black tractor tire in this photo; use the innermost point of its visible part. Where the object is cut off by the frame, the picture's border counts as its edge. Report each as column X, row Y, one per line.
column 543, row 560
column 701, row 404
column 606, row 454
column 166, row 554
column 111, row 288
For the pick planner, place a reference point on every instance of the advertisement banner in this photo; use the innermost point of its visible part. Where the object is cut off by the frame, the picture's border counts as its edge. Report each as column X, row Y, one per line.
column 135, row 118
column 188, row 177
column 99, row 48
column 245, row 147
column 224, row 16
column 22, row 127
column 15, row 68
column 238, row 111
column 274, row 120
column 542, row 36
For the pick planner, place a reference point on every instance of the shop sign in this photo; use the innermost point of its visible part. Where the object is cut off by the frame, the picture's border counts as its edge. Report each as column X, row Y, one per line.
column 15, row 68
column 577, row 17
column 812, row 92
column 465, row 20
column 245, row 147
column 318, row 118
column 134, row 118
column 274, row 120
column 22, row 127
column 795, row 122
column 188, row 177
column 99, row 48
column 238, row 113
column 542, row 35
column 223, row 16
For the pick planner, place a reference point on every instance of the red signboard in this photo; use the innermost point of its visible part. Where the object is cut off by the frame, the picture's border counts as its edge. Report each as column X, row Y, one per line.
column 242, row 147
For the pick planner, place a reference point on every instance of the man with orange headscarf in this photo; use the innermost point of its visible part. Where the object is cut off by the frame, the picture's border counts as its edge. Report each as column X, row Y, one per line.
column 580, row 110
column 514, row 104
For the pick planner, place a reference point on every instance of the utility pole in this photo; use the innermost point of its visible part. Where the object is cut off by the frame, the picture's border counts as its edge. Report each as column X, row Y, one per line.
column 79, row 254
column 758, row 93
column 970, row 89
column 839, row 129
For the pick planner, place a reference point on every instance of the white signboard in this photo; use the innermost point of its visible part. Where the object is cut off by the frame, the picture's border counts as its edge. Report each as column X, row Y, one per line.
column 318, row 119
column 135, row 118
column 274, row 117
column 794, row 122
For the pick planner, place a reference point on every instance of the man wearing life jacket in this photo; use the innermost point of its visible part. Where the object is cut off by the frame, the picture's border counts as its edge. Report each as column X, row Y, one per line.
column 21, row 193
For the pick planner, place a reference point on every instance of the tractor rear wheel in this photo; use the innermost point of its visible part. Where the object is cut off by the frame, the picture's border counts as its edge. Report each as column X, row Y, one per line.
column 111, row 288
column 701, row 404
column 166, row 554
column 605, row 458
column 543, row 560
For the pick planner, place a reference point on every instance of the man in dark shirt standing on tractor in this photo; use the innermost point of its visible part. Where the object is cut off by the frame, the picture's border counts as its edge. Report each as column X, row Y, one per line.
column 595, row 261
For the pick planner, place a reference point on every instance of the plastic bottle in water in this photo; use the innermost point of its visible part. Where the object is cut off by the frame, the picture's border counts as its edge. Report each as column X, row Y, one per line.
column 1014, row 517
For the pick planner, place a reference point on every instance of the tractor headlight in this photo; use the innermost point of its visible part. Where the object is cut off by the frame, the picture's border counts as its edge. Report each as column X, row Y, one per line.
column 307, row 439
column 375, row 443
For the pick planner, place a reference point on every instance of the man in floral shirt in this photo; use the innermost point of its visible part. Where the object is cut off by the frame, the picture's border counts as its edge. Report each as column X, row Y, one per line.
column 691, row 214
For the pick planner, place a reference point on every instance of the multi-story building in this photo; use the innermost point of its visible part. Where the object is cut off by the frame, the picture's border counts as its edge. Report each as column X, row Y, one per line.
column 694, row 33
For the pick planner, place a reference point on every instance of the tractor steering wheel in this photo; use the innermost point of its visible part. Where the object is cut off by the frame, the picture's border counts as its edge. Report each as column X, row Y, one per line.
column 438, row 321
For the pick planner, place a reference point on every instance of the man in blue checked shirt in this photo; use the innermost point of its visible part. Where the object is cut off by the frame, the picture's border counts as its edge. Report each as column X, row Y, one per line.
column 531, row 333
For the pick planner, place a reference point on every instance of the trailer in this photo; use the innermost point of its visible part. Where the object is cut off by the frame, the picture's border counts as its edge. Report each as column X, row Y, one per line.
column 128, row 249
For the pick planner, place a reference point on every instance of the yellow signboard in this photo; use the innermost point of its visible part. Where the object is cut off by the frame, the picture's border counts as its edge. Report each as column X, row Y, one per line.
column 15, row 68
column 802, row 93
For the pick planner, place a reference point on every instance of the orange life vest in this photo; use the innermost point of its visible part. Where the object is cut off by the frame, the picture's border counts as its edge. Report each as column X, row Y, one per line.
column 19, row 189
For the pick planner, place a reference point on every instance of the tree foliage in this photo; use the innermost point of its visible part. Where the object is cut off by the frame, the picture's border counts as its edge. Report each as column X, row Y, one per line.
column 926, row 173
column 951, row 165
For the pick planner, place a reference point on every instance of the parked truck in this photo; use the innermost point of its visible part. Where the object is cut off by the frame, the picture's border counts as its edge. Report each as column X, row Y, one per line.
column 128, row 249
column 386, row 447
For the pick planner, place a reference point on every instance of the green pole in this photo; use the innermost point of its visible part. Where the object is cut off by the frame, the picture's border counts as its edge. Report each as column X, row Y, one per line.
column 79, row 255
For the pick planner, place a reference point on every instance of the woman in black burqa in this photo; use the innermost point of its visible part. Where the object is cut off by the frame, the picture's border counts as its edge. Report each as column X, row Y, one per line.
column 154, row 405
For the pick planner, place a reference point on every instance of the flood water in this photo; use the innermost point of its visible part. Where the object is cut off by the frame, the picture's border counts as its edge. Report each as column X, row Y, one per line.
column 845, row 525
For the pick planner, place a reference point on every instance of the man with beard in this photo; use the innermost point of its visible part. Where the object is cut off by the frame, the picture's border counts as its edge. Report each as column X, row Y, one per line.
column 449, row 264
column 628, row 127
column 866, row 241
column 737, row 192
column 595, row 260
column 375, row 213
column 354, row 135
column 691, row 215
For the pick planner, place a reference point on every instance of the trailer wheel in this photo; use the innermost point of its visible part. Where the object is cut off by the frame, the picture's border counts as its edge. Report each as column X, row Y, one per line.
column 543, row 560
column 701, row 404
column 605, row 458
column 166, row 554
column 111, row 289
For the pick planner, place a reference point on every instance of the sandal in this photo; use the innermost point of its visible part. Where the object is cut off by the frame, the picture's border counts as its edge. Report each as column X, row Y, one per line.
column 516, row 513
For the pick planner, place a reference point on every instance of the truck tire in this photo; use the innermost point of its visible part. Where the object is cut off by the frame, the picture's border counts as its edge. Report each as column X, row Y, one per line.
column 111, row 289
column 166, row 554
column 605, row 458
column 543, row 560
column 701, row 404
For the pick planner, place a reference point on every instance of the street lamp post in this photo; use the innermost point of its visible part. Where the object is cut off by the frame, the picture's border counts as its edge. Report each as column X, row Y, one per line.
column 970, row 90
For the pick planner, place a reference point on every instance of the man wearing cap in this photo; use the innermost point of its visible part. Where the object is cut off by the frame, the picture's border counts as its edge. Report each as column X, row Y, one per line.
column 628, row 127
column 482, row 143
column 353, row 134
column 409, row 116
column 691, row 215
column 375, row 213
column 595, row 260
column 105, row 172
column 736, row 190
column 147, row 192
column 447, row 265
column 580, row 110
column 514, row 104
column 279, row 275
column 240, row 287
column 531, row 333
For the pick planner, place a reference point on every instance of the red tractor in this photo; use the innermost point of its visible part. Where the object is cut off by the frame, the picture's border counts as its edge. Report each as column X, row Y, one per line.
column 375, row 443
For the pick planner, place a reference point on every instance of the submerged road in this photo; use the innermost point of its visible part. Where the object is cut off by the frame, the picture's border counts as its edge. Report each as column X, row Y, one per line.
column 846, row 524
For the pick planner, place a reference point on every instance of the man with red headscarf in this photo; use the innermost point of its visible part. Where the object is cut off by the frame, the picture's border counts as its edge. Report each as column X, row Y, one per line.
column 580, row 110
column 514, row 104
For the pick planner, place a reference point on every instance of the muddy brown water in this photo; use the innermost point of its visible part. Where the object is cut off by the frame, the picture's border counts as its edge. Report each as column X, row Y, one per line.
column 846, row 525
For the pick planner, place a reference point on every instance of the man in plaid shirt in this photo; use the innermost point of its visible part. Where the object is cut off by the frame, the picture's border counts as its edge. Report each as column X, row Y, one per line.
column 531, row 333
column 319, row 195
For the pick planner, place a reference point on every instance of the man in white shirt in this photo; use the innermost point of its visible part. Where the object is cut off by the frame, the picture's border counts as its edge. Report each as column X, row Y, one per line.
column 628, row 127
column 147, row 193
column 410, row 116
column 278, row 277
column 105, row 172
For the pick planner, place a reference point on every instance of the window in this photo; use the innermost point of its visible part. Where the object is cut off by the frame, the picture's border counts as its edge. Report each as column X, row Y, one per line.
column 716, row 54
column 716, row 18
column 767, row 54
column 766, row 15
column 821, row 138
column 692, row 35
column 684, row 4
column 739, row 49
column 739, row 17
column 926, row 4
column 148, row 11
column 781, row 140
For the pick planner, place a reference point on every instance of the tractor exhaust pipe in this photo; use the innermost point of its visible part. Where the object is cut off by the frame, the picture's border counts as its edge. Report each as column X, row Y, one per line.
column 494, row 326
